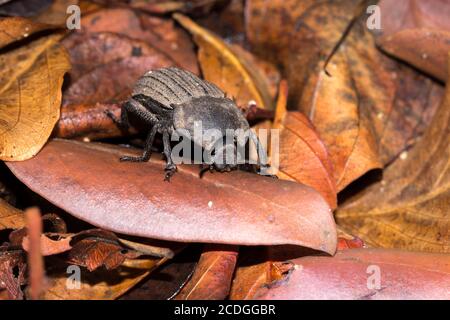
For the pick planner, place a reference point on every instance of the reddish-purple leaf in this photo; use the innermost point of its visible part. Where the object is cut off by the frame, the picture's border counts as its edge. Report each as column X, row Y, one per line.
column 363, row 274
column 88, row 181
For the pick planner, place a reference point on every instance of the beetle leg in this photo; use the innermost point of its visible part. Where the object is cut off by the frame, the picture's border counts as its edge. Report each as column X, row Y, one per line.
column 121, row 123
column 147, row 147
column 142, row 112
column 133, row 106
column 171, row 168
column 262, row 156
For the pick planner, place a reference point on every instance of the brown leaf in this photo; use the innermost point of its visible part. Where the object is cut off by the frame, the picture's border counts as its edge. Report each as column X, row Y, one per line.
column 89, row 51
column 88, row 121
column 297, row 35
column 416, row 100
column 30, row 100
column 56, row 13
column 104, row 85
column 411, row 14
column 168, row 280
column 8, row 280
column 423, row 48
column 350, row 274
column 10, row 217
column 98, row 285
column 188, row 209
column 158, row 32
column 409, row 207
column 417, row 32
column 348, row 241
column 49, row 246
column 212, row 277
column 233, row 73
column 302, row 154
column 94, row 253
column 167, row 6
column 370, row 108
column 257, row 268
column 13, row 29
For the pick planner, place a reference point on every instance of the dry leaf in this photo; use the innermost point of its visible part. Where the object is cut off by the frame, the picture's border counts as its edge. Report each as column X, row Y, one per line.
column 222, row 66
column 214, row 208
column 10, row 217
column 425, row 49
column 9, row 281
column 98, row 285
column 297, row 35
column 160, row 33
column 30, row 103
column 370, row 108
column 302, row 154
column 352, row 274
column 409, row 207
column 13, row 29
column 411, row 14
column 213, row 274
column 166, row 282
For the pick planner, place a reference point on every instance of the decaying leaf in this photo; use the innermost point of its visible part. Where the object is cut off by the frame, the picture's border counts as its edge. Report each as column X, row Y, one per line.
column 409, row 207
column 10, row 217
column 302, row 154
column 166, row 6
column 10, row 282
column 17, row 28
column 362, row 274
column 160, row 33
column 366, row 107
column 222, row 66
column 30, row 97
column 188, row 209
column 297, row 35
column 213, row 274
column 417, row 32
column 93, row 253
column 423, row 48
column 98, row 285
column 167, row 281
column 411, row 14
column 88, row 121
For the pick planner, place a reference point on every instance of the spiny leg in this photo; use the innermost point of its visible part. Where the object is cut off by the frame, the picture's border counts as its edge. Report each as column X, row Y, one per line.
column 147, row 147
column 171, row 168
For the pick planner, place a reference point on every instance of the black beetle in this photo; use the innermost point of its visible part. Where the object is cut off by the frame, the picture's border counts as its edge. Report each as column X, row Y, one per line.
column 170, row 99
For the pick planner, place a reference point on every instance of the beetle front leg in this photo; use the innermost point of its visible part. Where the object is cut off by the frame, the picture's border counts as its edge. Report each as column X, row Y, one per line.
column 147, row 147
column 171, row 168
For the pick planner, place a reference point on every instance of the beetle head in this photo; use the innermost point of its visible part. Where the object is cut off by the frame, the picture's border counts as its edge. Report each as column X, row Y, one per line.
column 225, row 158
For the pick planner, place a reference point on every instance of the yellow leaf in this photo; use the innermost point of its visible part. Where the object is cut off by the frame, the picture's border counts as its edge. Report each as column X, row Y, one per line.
column 30, row 103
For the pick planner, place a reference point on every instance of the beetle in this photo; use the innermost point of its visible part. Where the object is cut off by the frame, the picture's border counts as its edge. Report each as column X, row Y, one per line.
column 171, row 99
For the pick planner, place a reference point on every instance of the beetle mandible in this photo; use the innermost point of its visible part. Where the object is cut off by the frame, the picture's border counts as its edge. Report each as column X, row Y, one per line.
column 170, row 99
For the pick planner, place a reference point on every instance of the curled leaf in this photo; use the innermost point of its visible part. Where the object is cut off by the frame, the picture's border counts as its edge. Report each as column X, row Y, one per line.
column 302, row 155
column 212, row 277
